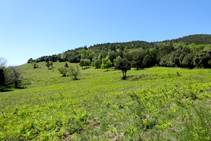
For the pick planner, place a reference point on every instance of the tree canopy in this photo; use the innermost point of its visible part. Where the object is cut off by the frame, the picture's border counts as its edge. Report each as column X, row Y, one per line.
column 187, row 52
column 106, row 63
column 123, row 65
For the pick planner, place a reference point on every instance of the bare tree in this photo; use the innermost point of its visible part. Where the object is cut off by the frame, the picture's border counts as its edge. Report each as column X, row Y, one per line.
column 14, row 76
column 3, row 62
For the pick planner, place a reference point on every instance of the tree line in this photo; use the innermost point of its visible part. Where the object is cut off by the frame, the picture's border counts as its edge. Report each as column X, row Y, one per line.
column 75, row 55
column 186, row 52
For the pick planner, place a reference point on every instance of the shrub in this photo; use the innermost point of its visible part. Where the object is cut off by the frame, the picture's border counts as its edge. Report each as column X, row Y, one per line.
column 63, row 71
column 74, row 71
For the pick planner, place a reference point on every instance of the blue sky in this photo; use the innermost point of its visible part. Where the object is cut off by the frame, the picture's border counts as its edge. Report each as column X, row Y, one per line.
column 34, row 28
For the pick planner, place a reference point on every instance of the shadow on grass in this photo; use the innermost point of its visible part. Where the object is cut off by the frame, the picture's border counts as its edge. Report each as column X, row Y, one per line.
column 131, row 78
column 11, row 88
column 20, row 87
column 139, row 69
column 86, row 68
column 50, row 68
column 5, row 90
column 124, row 77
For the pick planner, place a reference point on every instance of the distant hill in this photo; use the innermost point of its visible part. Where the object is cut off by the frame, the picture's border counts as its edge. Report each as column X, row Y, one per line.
column 74, row 55
column 196, row 39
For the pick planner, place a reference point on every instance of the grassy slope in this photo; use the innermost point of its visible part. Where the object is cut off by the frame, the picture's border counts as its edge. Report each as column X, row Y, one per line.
column 151, row 103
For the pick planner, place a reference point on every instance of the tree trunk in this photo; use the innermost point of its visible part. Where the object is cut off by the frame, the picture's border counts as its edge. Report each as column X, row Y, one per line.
column 16, row 84
column 124, row 74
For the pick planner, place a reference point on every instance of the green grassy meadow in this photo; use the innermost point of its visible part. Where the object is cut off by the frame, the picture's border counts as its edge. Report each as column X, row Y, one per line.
column 151, row 104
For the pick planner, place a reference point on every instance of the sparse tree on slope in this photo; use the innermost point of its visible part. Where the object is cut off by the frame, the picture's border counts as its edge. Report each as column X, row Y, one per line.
column 30, row 60
column 74, row 71
column 63, row 71
column 35, row 65
column 48, row 64
column 123, row 65
column 51, row 64
column 66, row 65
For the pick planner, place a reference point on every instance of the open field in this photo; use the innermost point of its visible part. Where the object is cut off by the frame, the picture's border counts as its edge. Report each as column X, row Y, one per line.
column 152, row 104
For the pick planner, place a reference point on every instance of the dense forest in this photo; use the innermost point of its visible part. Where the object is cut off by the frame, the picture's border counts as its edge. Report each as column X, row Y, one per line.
column 188, row 52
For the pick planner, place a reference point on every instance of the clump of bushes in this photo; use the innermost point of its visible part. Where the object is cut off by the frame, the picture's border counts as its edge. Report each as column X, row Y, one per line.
column 63, row 71
column 10, row 75
column 72, row 71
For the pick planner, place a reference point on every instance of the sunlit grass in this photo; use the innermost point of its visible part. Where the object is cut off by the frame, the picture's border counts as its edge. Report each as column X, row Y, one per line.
column 152, row 103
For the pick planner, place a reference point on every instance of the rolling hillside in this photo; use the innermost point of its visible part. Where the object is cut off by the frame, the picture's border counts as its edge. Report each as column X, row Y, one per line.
column 151, row 104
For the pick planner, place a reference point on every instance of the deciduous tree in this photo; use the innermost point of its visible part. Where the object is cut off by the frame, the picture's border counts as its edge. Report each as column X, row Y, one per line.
column 14, row 76
column 48, row 64
column 123, row 65
column 106, row 63
column 63, row 71
column 74, row 72
column 66, row 65
column 51, row 64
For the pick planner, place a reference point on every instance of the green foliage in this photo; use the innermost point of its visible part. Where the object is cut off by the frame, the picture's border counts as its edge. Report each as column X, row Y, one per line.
column 158, row 105
column 180, row 44
column 141, row 54
column 48, row 64
column 201, row 59
column 83, row 53
column 116, row 60
column 138, row 57
column 147, row 61
column 51, row 64
column 30, row 60
column 196, row 39
column 2, row 78
column 209, row 63
column 106, row 63
column 123, row 65
column 85, row 62
column 197, row 123
column 66, row 65
column 14, row 76
column 35, row 65
column 192, row 46
column 2, row 71
column 188, row 60
column 63, row 56
column 165, row 61
column 63, row 71
column 74, row 72
column 174, row 58
column 96, row 62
